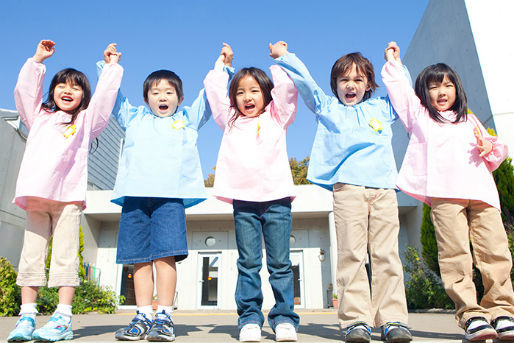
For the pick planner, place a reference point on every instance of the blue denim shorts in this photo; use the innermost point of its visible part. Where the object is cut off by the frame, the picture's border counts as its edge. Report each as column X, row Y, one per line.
column 151, row 228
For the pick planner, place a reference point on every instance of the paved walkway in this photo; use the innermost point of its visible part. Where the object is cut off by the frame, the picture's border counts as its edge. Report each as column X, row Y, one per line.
column 319, row 326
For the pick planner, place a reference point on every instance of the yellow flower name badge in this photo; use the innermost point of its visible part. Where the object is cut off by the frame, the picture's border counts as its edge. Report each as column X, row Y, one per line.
column 178, row 124
column 69, row 131
column 375, row 125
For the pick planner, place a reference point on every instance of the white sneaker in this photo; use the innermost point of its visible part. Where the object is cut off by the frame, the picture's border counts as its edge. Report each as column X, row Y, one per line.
column 285, row 332
column 250, row 333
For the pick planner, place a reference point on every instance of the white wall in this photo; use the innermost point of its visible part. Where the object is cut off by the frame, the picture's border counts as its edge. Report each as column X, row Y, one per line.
column 12, row 218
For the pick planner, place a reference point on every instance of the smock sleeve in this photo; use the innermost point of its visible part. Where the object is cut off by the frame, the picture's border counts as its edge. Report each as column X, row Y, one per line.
column 401, row 94
column 313, row 96
column 285, row 97
column 215, row 84
column 28, row 93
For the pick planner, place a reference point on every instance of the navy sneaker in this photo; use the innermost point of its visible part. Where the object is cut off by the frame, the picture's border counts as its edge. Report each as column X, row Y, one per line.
column 504, row 327
column 136, row 330
column 395, row 332
column 163, row 329
column 358, row 332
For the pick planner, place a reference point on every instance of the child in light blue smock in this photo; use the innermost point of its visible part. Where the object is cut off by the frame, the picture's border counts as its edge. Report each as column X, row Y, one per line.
column 353, row 156
column 158, row 177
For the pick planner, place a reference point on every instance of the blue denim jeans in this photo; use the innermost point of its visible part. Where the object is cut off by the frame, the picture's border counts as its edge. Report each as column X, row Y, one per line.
column 272, row 220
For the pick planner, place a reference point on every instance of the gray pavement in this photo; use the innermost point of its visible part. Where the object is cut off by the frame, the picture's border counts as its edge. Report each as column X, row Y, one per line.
column 213, row 326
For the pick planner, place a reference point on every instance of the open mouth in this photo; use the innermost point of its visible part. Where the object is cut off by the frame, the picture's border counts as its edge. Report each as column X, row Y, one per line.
column 350, row 97
column 163, row 107
column 67, row 99
column 249, row 107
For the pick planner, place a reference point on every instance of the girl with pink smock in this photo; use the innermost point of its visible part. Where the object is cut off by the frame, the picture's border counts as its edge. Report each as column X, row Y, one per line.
column 253, row 174
column 448, row 166
column 52, row 181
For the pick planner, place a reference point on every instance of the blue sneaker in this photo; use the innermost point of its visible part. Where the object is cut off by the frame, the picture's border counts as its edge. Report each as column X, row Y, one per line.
column 136, row 330
column 163, row 329
column 23, row 331
column 57, row 329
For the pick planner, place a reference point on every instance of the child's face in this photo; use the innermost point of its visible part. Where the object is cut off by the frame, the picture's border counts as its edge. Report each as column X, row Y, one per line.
column 68, row 96
column 249, row 98
column 352, row 86
column 442, row 94
column 163, row 99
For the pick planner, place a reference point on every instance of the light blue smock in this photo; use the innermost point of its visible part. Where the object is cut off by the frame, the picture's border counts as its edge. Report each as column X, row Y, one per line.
column 160, row 157
column 346, row 148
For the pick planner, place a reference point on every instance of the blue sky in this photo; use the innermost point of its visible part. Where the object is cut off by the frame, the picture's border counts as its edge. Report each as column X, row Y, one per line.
column 186, row 37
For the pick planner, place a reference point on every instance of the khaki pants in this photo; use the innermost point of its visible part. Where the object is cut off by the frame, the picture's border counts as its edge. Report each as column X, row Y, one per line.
column 367, row 220
column 456, row 222
column 44, row 219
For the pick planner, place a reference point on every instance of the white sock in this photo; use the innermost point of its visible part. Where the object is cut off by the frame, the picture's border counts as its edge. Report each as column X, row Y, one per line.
column 64, row 310
column 147, row 311
column 28, row 310
column 167, row 309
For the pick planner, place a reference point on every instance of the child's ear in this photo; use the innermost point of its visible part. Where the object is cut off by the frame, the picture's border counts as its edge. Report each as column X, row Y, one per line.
column 368, row 86
column 180, row 101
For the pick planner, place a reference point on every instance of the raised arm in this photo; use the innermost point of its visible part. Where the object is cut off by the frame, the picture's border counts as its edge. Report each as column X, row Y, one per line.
column 28, row 93
column 313, row 96
column 199, row 112
column 104, row 98
column 399, row 89
column 215, row 84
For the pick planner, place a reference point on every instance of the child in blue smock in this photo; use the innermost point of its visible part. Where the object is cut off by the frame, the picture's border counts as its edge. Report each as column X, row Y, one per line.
column 352, row 156
column 158, row 177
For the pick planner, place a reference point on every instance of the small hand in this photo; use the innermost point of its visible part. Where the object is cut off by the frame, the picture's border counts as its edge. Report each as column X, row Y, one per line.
column 111, row 55
column 483, row 145
column 227, row 55
column 392, row 52
column 278, row 49
column 45, row 49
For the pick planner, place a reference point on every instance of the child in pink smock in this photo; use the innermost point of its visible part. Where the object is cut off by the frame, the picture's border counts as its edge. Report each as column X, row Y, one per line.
column 52, row 181
column 253, row 174
column 448, row 166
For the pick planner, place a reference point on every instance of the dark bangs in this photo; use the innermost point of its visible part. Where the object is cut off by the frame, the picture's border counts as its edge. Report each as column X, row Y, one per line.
column 167, row 75
column 435, row 73
column 74, row 77
column 260, row 77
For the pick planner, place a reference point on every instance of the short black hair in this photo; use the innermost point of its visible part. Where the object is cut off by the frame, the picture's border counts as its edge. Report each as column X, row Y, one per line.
column 159, row 75
column 436, row 73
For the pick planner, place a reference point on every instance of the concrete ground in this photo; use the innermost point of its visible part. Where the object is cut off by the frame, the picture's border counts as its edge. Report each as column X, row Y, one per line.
column 315, row 326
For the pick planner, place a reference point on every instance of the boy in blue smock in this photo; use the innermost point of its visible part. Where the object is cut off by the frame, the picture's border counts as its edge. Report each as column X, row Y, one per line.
column 158, row 177
column 352, row 155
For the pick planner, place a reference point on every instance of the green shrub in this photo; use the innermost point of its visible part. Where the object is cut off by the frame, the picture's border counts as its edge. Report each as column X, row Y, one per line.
column 89, row 296
column 9, row 292
column 429, row 242
column 424, row 288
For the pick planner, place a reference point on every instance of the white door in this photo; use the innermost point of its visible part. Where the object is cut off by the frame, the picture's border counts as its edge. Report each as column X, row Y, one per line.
column 208, row 281
column 297, row 266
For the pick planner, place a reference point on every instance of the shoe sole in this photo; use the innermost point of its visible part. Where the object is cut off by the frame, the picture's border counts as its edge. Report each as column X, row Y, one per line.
column 129, row 338
column 160, row 339
column 482, row 335
column 357, row 340
column 506, row 337
column 66, row 337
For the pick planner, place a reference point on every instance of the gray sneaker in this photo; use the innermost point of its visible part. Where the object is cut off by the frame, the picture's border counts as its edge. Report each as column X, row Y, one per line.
column 163, row 329
column 136, row 330
column 395, row 332
column 358, row 332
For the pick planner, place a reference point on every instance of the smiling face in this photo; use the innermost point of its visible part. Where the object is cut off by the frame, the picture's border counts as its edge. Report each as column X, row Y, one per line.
column 249, row 98
column 68, row 96
column 163, row 99
column 442, row 94
column 352, row 86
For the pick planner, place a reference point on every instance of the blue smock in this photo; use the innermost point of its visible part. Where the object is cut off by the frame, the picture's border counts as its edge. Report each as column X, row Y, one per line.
column 352, row 143
column 160, row 157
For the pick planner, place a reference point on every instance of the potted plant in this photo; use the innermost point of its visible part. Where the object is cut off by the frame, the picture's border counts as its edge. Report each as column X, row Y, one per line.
column 335, row 303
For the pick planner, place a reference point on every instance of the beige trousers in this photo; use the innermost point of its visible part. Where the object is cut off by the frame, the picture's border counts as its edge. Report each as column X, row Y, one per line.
column 457, row 222
column 367, row 221
column 44, row 219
